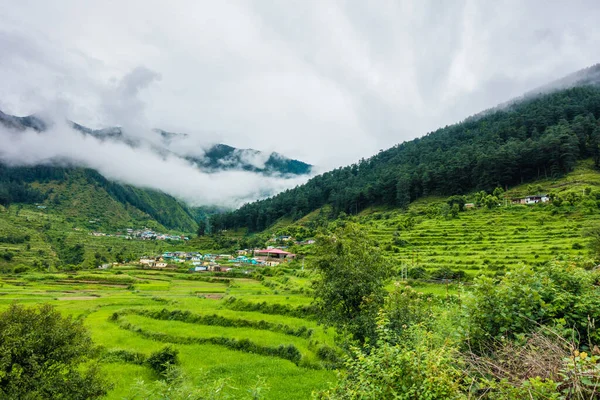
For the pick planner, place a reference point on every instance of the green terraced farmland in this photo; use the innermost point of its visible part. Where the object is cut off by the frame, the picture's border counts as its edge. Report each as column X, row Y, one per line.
column 482, row 240
column 139, row 311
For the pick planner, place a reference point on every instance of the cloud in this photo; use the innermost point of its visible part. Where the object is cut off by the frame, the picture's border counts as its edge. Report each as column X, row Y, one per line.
column 140, row 166
column 329, row 83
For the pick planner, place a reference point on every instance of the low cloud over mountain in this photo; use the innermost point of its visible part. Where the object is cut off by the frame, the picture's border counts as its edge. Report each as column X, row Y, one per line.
column 198, row 173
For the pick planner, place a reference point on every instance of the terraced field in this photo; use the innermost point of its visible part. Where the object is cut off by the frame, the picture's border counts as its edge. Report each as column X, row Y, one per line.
column 42, row 233
column 482, row 240
column 490, row 240
column 234, row 331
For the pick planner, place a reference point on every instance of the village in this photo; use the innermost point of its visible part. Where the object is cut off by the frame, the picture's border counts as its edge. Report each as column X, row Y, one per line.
column 198, row 262
column 141, row 234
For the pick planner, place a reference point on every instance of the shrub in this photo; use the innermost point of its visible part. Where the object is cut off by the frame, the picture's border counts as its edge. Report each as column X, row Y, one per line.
column 559, row 294
column 413, row 368
column 160, row 360
column 41, row 354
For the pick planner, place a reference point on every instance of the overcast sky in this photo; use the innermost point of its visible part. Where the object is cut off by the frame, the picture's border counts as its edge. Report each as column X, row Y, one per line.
column 327, row 82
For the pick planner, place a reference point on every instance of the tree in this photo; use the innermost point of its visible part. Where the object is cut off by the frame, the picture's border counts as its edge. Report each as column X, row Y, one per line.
column 490, row 201
column 349, row 289
column 458, row 201
column 201, row 227
column 40, row 356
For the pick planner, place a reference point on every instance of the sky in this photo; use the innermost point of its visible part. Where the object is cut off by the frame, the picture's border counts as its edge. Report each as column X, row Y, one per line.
column 325, row 82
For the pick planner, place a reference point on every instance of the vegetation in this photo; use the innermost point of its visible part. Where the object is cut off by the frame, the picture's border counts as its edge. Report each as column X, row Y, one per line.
column 84, row 194
column 350, row 287
column 41, row 353
column 532, row 139
column 517, row 342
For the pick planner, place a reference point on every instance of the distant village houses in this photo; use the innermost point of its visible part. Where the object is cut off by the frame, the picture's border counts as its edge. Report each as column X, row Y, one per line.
column 535, row 199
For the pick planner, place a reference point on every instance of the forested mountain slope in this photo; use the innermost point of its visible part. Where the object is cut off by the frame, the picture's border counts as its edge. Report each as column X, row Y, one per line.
column 82, row 195
column 537, row 137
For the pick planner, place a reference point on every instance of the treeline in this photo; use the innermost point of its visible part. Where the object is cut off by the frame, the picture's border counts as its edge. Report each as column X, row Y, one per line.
column 15, row 183
column 536, row 138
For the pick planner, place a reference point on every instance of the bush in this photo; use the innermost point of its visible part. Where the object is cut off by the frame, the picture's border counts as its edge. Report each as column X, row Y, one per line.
column 160, row 361
column 558, row 294
column 41, row 353
column 414, row 369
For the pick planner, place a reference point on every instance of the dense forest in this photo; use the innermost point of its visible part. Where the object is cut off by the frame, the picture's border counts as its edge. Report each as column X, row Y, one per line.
column 537, row 137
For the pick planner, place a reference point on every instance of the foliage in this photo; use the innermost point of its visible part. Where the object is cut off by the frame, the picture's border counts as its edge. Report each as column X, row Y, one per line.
column 559, row 294
column 160, row 361
column 413, row 365
column 349, row 288
column 40, row 356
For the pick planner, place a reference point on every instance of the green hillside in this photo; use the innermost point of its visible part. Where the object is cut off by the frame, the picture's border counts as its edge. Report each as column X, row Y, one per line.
column 83, row 195
column 426, row 235
column 539, row 137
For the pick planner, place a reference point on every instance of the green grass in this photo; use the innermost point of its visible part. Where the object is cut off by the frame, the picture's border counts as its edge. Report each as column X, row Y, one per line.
column 95, row 296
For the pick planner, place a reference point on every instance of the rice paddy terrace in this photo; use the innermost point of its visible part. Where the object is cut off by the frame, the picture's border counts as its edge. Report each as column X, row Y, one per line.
column 234, row 331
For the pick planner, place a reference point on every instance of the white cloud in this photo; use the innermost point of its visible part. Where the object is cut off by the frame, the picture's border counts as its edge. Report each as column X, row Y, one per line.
column 140, row 166
column 323, row 81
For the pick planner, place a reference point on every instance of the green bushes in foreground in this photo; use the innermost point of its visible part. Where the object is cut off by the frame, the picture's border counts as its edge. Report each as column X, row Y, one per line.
column 528, row 335
column 41, row 354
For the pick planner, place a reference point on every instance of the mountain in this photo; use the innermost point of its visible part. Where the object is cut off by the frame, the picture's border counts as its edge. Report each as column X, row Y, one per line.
column 542, row 134
column 214, row 158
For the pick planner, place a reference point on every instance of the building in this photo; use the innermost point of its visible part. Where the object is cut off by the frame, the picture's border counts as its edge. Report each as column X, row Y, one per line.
column 274, row 253
column 535, row 199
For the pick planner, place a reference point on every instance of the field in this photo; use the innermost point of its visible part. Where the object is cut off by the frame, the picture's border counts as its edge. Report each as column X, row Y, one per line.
column 485, row 240
column 44, row 238
column 141, row 311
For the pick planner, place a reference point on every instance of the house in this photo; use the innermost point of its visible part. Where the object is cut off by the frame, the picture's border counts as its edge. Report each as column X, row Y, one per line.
column 538, row 198
column 274, row 253
column 242, row 252
column 469, row 205
column 198, row 269
column 160, row 264
column 147, row 261
column 272, row 263
column 104, row 266
column 535, row 199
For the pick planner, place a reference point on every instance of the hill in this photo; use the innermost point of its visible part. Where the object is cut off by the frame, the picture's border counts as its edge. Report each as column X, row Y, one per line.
column 82, row 195
column 532, row 138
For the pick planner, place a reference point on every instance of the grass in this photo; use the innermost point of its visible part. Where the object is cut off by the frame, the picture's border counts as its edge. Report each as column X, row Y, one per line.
column 96, row 296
